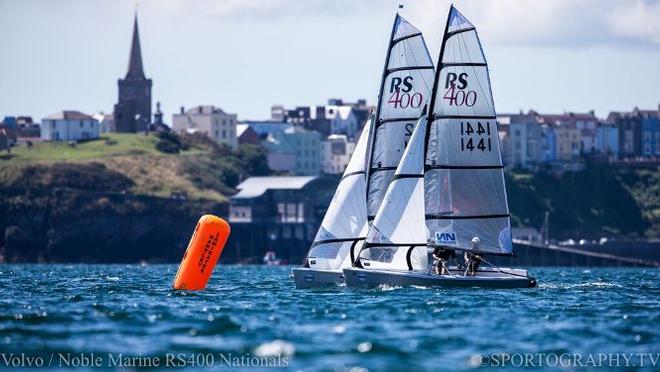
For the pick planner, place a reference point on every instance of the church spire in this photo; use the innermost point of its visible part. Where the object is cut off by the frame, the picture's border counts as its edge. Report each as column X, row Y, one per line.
column 135, row 70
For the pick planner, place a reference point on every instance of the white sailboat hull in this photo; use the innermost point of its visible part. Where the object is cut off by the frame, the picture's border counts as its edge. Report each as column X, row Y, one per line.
column 312, row 278
column 485, row 278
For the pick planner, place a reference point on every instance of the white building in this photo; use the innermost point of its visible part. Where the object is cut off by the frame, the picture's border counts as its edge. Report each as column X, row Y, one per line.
column 336, row 151
column 522, row 145
column 106, row 122
column 69, row 126
column 294, row 150
column 210, row 120
column 342, row 120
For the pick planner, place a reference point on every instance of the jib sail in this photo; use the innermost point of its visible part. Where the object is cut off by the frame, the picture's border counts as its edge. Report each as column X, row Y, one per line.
column 397, row 238
column 344, row 225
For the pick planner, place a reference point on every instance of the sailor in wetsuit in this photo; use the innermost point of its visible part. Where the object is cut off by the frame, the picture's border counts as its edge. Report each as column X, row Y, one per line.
column 440, row 258
column 472, row 260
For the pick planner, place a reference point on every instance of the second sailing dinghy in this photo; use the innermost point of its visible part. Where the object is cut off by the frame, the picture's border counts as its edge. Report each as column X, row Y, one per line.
column 448, row 191
column 404, row 87
column 343, row 227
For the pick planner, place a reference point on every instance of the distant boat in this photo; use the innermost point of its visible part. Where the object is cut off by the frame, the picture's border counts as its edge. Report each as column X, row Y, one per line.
column 405, row 86
column 448, row 191
column 270, row 259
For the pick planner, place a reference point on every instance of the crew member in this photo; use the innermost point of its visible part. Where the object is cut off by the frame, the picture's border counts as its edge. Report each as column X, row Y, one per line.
column 472, row 260
column 440, row 258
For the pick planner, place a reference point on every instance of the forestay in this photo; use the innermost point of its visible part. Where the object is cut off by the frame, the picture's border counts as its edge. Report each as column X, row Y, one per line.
column 398, row 236
column 405, row 88
column 464, row 178
column 345, row 223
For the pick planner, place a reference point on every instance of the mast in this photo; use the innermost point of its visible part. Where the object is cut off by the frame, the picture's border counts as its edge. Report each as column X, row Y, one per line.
column 378, row 106
column 434, row 90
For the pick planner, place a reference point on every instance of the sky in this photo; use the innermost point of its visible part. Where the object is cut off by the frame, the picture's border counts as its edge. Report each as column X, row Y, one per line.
column 246, row 55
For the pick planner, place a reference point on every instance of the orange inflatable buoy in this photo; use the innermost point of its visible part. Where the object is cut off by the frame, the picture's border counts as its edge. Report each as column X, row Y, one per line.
column 202, row 254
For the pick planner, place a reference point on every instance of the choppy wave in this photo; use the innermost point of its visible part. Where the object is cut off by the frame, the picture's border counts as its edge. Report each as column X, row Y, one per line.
column 256, row 311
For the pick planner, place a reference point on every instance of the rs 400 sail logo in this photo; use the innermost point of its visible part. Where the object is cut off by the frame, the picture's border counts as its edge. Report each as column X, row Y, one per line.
column 402, row 95
column 456, row 90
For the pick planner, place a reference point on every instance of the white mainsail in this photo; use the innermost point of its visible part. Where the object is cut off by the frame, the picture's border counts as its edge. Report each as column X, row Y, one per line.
column 466, row 202
column 344, row 224
column 405, row 88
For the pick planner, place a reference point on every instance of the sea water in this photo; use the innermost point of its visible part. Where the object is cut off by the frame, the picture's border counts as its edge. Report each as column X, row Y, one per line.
column 252, row 316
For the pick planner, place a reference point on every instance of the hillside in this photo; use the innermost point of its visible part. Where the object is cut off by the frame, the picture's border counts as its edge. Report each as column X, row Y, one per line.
column 599, row 201
column 126, row 198
column 122, row 198
column 198, row 170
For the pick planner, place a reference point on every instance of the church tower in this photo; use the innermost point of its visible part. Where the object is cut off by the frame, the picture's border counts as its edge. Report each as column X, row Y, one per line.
column 133, row 110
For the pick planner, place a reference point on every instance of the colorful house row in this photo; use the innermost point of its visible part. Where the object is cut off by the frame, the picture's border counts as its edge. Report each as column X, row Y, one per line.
column 529, row 139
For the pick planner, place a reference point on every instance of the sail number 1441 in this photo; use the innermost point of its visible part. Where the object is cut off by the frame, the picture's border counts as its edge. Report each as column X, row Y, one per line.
column 475, row 137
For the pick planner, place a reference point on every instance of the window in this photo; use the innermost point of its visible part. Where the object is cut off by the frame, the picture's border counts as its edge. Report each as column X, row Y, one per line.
column 81, row 123
column 224, row 134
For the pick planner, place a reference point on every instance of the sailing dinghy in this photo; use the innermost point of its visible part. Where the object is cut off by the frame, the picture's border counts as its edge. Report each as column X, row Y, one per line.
column 448, row 191
column 405, row 86
column 344, row 225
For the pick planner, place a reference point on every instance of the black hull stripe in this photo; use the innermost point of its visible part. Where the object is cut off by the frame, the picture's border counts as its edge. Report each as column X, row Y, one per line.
column 336, row 241
column 409, row 68
column 475, row 217
column 431, row 167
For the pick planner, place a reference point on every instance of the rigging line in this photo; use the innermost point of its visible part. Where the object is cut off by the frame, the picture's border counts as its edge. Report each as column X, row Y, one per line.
column 498, row 269
column 472, row 217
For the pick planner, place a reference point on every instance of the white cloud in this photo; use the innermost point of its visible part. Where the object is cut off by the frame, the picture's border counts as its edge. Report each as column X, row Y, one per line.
column 572, row 23
column 559, row 23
